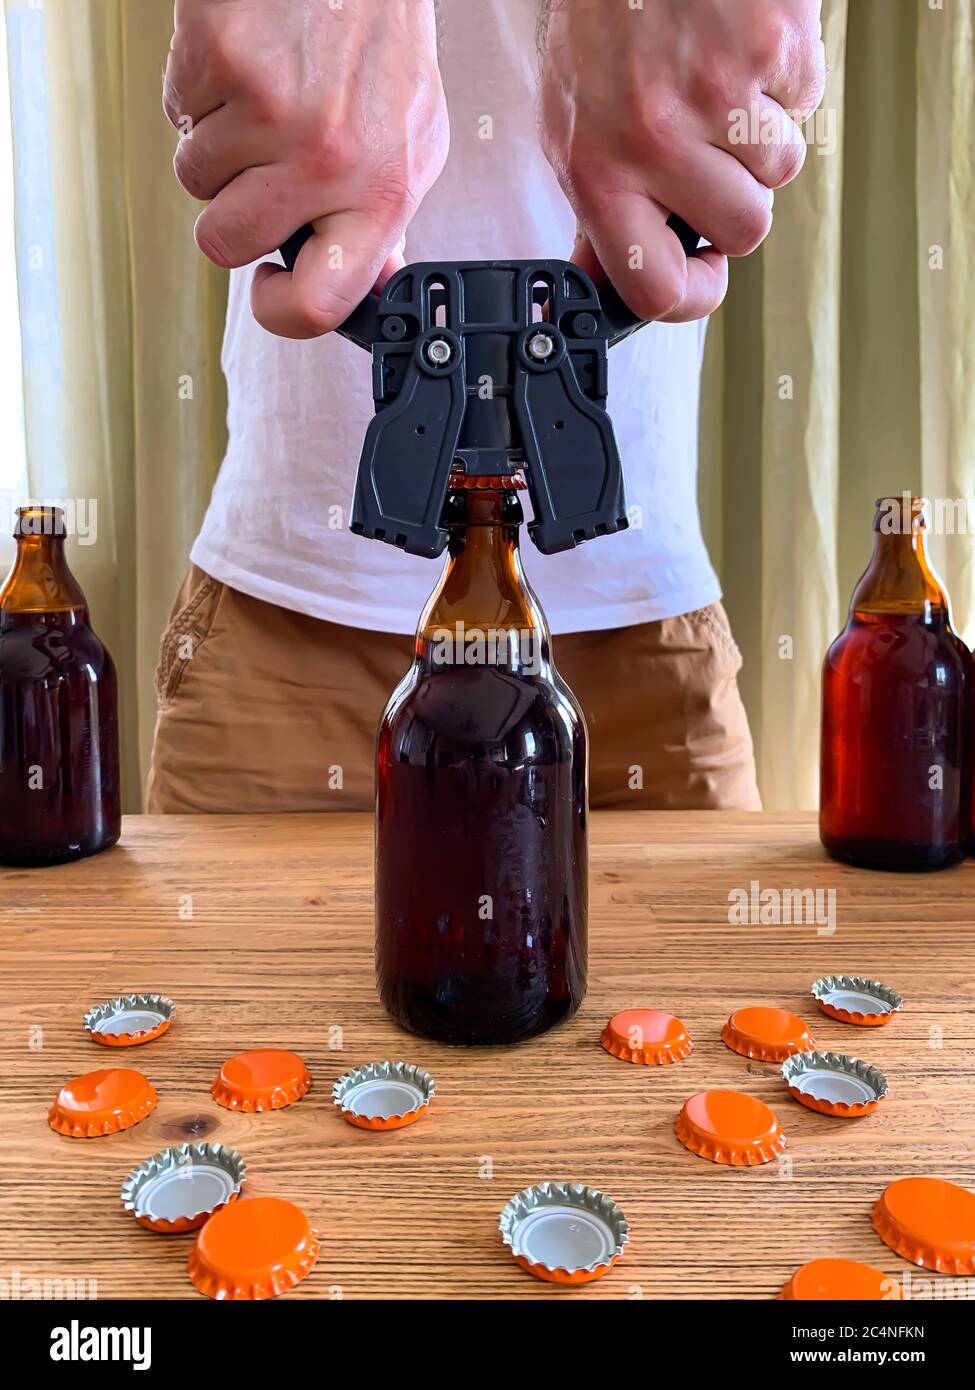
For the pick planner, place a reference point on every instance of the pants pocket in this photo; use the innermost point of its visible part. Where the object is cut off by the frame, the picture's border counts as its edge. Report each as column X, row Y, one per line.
column 715, row 621
column 188, row 628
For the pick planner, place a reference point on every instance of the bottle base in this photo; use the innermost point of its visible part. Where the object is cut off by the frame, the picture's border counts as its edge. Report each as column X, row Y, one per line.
column 59, row 854
column 893, row 857
column 417, row 1010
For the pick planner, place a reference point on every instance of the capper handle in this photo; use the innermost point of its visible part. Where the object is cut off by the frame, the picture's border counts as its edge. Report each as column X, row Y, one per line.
column 361, row 327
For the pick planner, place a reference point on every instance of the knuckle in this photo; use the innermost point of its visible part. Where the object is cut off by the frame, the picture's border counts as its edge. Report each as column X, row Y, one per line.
column 170, row 104
column 813, row 68
column 794, row 56
column 269, row 102
column 213, row 242
column 331, row 153
column 786, row 163
column 658, row 121
column 580, row 173
column 810, row 90
column 747, row 228
column 324, row 310
column 771, row 37
column 188, row 166
column 224, row 48
column 429, row 156
column 171, row 100
column 714, row 89
column 393, row 192
column 656, row 298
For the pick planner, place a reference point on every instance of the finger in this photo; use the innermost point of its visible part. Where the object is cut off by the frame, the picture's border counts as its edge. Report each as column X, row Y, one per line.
column 191, row 89
column 714, row 192
column 707, row 285
column 795, row 77
column 767, row 141
column 705, row 289
column 202, row 62
column 255, row 213
column 218, row 148
column 645, row 261
column 335, row 270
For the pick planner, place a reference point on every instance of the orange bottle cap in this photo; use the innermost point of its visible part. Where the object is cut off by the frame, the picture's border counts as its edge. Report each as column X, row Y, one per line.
column 102, row 1102
column 563, row 1232
column 129, row 1019
column 729, row 1127
column 843, row 1280
column 834, row 1084
column 466, row 482
column 769, row 1035
column 384, row 1095
column 929, row 1222
column 266, row 1079
column 253, row 1249
column 856, row 999
column 646, row 1035
column 180, row 1188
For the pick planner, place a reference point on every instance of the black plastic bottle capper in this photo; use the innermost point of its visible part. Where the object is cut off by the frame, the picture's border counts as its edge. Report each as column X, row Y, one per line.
column 490, row 367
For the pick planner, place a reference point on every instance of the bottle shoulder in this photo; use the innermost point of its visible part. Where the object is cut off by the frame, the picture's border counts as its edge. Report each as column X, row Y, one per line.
column 902, row 644
column 478, row 706
column 37, row 646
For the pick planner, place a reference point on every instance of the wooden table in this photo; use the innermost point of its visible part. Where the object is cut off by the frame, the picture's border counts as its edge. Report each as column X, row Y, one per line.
column 261, row 930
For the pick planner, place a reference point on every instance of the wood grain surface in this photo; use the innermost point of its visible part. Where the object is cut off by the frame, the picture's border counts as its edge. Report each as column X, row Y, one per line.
column 278, row 952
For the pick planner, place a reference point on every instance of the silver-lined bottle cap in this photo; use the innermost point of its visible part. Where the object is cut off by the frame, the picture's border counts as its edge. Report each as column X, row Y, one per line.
column 384, row 1095
column 563, row 1232
column 834, row 1084
column 129, row 1019
column 855, row 999
column 178, row 1189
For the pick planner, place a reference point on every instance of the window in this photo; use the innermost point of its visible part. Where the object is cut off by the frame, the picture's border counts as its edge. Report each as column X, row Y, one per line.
column 13, row 452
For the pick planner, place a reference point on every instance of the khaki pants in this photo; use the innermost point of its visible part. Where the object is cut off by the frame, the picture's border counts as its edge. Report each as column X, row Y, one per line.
column 262, row 709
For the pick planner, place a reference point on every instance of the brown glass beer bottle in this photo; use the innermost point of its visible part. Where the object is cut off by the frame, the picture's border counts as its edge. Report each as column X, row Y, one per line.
column 481, row 830
column 59, row 755
column 897, row 691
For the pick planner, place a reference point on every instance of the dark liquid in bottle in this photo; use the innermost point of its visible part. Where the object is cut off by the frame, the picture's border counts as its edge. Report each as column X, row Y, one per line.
column 897, row 689
column 481, row 808
column 481, row 894
column 59, row 780
column 896, row 694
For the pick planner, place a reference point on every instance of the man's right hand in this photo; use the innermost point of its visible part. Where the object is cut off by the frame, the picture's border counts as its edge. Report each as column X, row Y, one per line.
column 294, row 112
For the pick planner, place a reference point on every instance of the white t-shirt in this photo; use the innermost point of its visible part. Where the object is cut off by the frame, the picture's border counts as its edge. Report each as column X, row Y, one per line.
column 276, row 527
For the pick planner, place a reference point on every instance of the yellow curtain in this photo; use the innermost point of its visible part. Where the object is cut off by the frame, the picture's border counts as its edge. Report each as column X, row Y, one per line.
column 838, row 369
column 121, row 320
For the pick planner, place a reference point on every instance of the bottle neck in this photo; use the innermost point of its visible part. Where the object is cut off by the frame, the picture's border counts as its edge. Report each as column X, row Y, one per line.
column 899, row 581
column 483, row 611
column 40, row 580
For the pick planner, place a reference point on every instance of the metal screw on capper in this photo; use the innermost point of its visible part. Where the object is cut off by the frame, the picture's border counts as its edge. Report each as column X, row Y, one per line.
column 541, row 346
column 438, row 352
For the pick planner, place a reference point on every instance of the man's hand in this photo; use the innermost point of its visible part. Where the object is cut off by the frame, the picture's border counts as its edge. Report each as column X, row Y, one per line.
column 637, row 114
column 295, row 111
